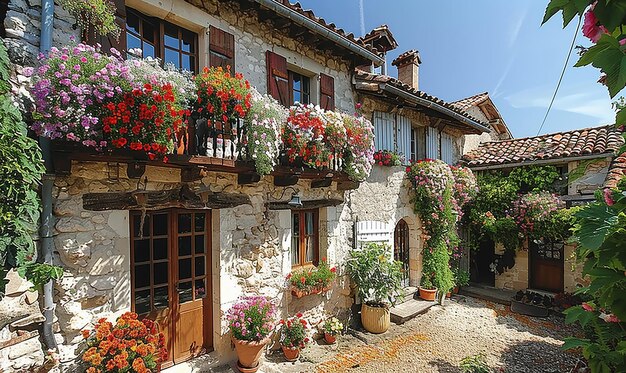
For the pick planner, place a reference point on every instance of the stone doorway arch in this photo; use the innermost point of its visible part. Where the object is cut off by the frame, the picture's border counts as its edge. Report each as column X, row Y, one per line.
column 407, row 247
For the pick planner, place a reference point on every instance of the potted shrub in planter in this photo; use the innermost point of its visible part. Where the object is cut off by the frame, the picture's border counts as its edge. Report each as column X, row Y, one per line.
column 293, row 336
column 105, row 354
column 379, row 283
column 251, row 321
column 427, row 289
column 461, row 278
column 332, row 327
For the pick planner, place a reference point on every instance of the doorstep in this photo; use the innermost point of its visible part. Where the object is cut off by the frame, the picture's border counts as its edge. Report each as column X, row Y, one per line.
column 409, row 309
column 207, row 363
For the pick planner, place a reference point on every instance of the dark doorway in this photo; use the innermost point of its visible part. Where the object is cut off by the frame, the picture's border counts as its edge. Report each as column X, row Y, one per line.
column 401, row 248
column 481, row 260
column 546, row 266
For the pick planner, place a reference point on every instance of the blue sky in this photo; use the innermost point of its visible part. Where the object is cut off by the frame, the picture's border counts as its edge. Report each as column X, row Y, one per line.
column 468, row 47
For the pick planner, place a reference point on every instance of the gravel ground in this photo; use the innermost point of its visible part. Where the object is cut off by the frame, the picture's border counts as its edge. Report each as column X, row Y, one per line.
column 437, row 340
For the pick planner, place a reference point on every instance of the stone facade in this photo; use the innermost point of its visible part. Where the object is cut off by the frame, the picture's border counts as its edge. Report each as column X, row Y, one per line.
column 471, row 142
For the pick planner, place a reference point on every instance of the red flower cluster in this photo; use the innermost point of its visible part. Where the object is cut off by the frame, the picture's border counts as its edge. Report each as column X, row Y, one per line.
column 221, row 96
column 387, row 158
column 306, row 143
column 131, row 345
column 144, row 119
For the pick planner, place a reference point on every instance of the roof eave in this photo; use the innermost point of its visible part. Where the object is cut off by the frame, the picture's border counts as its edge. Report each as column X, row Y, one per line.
column 533, row 162
column 304, row 21
column 433, row 105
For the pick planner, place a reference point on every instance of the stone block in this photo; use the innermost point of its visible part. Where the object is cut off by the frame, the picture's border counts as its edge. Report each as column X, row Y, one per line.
column 94, row 302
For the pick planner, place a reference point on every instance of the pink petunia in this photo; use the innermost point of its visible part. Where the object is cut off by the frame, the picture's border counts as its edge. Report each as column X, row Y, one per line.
column 591, row 28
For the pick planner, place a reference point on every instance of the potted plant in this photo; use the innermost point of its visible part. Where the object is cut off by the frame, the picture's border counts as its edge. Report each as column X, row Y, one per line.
column 293, row 336
column 141, row 348
column 324, row 276
column 313, row 280
column 427, row 289
column 332, row 327
column 251, row 320
column 461, row 278
column 378, row 280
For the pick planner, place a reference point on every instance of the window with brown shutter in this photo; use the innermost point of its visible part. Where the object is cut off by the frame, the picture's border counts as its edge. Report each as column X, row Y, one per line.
column 327, row 92
column 107, row 42
column 277, row 77
column 221, row 49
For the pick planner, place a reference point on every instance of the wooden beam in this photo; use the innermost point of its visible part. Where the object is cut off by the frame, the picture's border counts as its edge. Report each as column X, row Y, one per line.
column 323, row 183
column 248, row 178
column 313, row 204
column 285, row 180
column 347, row 185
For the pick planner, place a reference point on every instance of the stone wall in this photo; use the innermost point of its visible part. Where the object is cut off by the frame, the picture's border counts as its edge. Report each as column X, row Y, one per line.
column 471, row 142
column 385, row 197
column 593, row 177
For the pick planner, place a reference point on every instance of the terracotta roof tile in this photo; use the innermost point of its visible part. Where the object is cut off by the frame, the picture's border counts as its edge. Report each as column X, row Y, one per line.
column 330, row 26
column 365, row 76
column 617, row 171
column 468, row 102
column 603, row 140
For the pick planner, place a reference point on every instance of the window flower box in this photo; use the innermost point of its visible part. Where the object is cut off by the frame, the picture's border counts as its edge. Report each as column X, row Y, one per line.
column 314, row 280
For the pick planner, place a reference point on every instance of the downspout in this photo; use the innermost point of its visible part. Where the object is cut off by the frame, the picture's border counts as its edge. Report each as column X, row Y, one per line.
column 47, row 219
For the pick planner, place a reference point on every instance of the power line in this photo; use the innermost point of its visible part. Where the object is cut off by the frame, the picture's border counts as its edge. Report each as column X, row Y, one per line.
column 571, row 48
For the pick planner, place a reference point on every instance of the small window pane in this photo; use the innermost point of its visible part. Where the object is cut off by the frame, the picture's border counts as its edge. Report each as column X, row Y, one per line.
column 185, row 292
column 199, row 249
column 306, row 85
column 161, row 299
column 132, row 42
column 159, row 224
column 173, row 57
column 142, row 276
column 159, row 247
column 200, row 288
column 308, row 218
column 296, row 82
column 171, row 36
column 188, row 63
column 184, row 246
column 200, row 266
column 137, row 228
column 132, row 22
column 142, row 250
column 184, row 269
column 148, row 51
column 184, row 223
column 199, row 222
column 188, row 42
column 142, row 301
column 148, row 32
column 296, row 97
column 161, row 273
column 310, row 249
column 295, row 239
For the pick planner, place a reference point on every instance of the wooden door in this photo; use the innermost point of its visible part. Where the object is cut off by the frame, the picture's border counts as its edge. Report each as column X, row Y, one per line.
column 401, row 248
column 181, row 309
column 193, row 320
column 546, row 266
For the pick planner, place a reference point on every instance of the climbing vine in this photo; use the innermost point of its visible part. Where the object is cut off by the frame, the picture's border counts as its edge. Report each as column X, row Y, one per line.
column 21, row 168
column 439, row 194
column 99, row 14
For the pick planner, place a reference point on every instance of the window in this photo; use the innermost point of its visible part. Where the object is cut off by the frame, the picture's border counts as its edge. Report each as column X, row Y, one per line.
column 432, row 143
column 383, row 131
column 403, row 136
column 304, row 237
column 413, row 145
column 300, row 88
column 395, row 133
column 161, row 39
column 447, row 148
column 221, row 49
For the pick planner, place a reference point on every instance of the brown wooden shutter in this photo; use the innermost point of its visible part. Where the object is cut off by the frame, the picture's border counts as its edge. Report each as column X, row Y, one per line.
column 108, row 42
column 327, row 92
column 221, row 49
column 277, row 77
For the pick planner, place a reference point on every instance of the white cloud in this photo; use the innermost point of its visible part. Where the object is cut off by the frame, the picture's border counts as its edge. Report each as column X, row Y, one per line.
column 584, row 101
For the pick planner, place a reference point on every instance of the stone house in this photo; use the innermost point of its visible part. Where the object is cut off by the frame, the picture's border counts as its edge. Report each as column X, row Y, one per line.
column 550, row 267
column 181, row 242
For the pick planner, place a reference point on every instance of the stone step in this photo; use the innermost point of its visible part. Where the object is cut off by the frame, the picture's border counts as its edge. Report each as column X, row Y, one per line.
column 409, row 309
column 410, row 293
column 489, row 293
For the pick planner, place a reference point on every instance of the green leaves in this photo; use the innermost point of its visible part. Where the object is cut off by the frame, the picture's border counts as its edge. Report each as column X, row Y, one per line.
column 570, row 9
column 608, row 56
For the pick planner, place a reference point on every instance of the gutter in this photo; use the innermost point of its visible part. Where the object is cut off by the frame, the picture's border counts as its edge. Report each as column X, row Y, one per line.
column 303, row 20
column 539, row 162
column 47, row 218
column 435, row 106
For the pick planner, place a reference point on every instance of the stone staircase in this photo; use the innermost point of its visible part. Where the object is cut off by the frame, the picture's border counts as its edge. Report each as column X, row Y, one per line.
column 410, row 307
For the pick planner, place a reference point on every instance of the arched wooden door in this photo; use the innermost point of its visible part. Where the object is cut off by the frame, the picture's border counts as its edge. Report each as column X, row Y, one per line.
column 401, row 248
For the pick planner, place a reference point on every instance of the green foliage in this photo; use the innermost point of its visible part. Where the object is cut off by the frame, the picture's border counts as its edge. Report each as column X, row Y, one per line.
column 21, row 167
column 474, row 364
column 461, row 277
column 378, row 278
column 99, row 14
column 535, row 178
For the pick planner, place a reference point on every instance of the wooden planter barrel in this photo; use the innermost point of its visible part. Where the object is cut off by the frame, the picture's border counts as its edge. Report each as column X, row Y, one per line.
column 375, row 319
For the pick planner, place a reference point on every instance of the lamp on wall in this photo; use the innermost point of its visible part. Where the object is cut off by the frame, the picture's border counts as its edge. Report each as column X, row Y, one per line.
column 295, row 200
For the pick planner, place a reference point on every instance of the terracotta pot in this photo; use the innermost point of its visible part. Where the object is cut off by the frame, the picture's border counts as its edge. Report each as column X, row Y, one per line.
column 249, row 354
column 448, row 295
column 291, row 354
column 329, row 338
column 316, row 290
column 299, row 293
column 427, row 294
column 455, row 290
column 375, row 319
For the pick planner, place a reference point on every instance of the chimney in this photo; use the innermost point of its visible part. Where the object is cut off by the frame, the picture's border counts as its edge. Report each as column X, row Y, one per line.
column 408, row 68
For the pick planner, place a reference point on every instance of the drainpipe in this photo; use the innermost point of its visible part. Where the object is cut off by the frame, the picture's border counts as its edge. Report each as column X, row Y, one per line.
column 47, row 219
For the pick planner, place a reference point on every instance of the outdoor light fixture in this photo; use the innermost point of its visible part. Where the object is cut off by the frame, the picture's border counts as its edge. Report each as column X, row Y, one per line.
column 295, row 200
